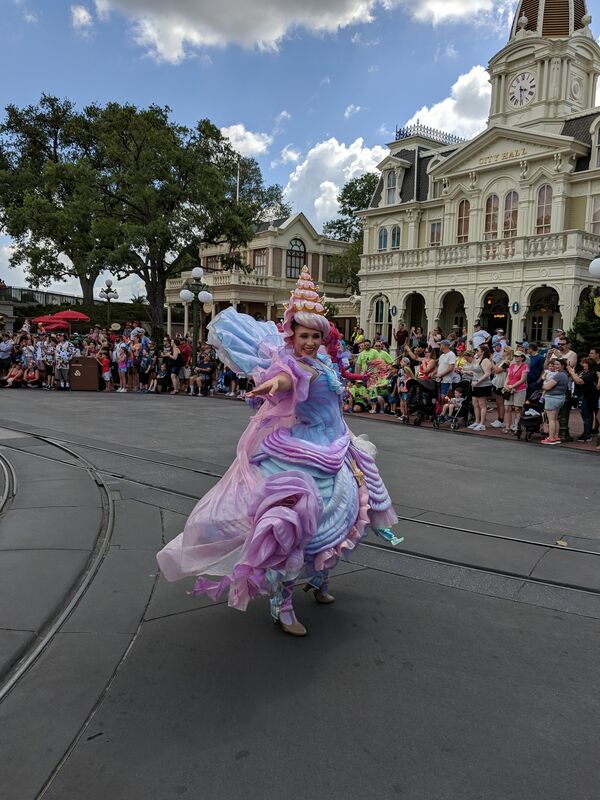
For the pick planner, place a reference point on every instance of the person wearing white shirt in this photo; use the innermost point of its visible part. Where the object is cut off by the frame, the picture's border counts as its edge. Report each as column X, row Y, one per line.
column 479, row 335
column 446, row 368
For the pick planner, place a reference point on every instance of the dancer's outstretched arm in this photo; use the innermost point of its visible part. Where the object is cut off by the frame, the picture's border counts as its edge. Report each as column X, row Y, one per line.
column 280, row 383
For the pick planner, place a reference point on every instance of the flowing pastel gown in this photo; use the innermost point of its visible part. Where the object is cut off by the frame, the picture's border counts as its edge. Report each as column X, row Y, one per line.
column 301, row 491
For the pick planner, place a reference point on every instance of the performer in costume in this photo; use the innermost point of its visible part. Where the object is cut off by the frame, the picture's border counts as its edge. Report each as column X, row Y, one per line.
column 302, row 489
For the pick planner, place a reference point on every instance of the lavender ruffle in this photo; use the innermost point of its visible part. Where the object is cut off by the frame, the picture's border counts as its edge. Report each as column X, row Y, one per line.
column 286, row 510
column 284, row 447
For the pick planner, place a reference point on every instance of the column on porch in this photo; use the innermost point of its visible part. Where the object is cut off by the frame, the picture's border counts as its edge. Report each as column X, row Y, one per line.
column 169, row 319
column 186, row 318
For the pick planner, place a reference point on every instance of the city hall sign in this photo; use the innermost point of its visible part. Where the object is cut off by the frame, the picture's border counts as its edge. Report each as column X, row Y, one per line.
column 507, row 156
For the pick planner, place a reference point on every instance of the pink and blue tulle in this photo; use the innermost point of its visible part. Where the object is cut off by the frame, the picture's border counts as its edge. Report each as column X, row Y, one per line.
column 301, row 492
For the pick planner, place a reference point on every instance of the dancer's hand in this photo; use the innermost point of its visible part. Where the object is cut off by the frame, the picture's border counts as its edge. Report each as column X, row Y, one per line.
column 280, row 383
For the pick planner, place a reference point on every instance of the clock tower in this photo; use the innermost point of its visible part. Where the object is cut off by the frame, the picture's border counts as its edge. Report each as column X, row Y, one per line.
column 548, row 70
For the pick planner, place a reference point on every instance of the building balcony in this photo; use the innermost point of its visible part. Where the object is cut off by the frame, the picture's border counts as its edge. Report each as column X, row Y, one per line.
column 243, row 285
column 570, row 244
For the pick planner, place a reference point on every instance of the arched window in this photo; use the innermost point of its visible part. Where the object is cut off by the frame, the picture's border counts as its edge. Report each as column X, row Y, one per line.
column 511, row 215
column 492, row 206
column 382, row 239
column 295, row 259
column 391, row 188
column 383, row 319
column 462, row 233
column 396, row 237
column 544, row 209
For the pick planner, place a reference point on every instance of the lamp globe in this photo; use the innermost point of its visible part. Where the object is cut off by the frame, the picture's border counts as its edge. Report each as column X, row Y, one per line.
column 595, row 268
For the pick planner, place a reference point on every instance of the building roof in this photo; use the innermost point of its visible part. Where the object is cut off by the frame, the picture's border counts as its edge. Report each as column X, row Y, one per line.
column 553, row 19
column 579, row 127
column 274, row 223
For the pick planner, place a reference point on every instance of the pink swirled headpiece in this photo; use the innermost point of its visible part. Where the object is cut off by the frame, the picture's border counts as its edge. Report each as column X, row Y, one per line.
column 305, row 307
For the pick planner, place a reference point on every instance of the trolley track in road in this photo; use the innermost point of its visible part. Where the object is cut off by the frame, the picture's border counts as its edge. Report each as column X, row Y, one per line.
column 543, row 546
column 46, row 635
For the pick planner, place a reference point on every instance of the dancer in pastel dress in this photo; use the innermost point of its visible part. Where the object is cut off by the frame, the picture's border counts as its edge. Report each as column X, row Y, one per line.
column 302, row 490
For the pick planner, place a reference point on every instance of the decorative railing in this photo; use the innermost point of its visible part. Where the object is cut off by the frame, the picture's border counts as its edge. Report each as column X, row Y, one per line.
column 429, row 133
column 18, row 294
column 525, row 248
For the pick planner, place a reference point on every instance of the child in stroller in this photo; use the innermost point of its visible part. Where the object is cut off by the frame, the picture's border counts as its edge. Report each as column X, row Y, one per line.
column 456, row 407
column 532, row 418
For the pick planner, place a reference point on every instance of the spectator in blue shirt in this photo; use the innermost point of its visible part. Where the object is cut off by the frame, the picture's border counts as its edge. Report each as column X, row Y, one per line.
column 536, row 367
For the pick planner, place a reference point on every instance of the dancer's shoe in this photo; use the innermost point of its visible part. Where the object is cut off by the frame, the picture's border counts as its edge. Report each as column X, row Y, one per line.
column 321, row 594
column 293, row 626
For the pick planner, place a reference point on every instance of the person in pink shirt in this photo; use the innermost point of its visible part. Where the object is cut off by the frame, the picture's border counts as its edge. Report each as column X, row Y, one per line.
column 514, row 391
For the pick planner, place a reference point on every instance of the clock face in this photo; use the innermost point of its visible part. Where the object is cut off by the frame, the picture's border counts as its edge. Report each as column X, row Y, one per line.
column 521, row 90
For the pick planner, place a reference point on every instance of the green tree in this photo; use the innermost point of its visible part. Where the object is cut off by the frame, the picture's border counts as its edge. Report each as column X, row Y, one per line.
column 169, row 189
column 257, row 203
column 49, row 203
column 585, row 332
column 354, row 196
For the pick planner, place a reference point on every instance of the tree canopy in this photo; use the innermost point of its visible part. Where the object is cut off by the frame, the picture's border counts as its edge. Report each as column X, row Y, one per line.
column 49, row 203
column 122, row 188
column 354, row 196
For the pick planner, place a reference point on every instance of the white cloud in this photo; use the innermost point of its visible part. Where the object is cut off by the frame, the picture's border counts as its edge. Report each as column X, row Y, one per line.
column 315, row 183
column 283, row 116
column 287, row 156
column 373, row 68
column 247, row 143
column 81, row 19
column 465, row 111
column 280, row 120
column 102, row 9
column 30, row 17
column 351, row 110
column 171, row 31
column 494, row 12
column 384, row 131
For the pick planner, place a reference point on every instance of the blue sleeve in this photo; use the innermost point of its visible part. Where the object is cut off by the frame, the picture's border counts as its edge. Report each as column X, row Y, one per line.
column 243, row 343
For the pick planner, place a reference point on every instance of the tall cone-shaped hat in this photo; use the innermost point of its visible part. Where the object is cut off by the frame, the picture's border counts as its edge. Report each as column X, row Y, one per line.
column 305, row 296
column 305, row 306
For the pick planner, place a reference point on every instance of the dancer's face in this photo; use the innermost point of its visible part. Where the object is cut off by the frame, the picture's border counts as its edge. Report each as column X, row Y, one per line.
column 307, row 341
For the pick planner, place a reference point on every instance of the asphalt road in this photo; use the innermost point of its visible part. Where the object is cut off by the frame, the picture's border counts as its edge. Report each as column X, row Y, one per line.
column 430, row 678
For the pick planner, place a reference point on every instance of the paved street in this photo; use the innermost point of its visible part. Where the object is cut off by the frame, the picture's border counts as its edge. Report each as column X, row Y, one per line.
column 463, row 665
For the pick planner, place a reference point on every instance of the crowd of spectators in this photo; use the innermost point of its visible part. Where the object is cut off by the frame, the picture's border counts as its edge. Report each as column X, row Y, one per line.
column 128, row 361
column 479, row 376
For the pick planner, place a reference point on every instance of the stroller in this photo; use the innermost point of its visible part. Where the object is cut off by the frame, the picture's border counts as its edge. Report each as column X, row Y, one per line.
column 532, row 418
column 461, row 415
column 422, row 395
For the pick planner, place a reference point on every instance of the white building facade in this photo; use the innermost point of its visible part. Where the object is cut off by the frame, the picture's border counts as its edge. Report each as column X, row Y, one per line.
column 273, row 259
column 501, row 228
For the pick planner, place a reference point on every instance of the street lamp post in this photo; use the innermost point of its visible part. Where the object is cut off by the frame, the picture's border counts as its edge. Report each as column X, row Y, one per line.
column 108, row 293
column 196, row 292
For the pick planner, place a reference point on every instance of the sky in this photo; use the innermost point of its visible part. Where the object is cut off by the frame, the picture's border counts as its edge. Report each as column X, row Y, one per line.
column 313, row 89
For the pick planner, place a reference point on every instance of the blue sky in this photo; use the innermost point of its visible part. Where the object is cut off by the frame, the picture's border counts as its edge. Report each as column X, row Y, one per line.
column 313, row 89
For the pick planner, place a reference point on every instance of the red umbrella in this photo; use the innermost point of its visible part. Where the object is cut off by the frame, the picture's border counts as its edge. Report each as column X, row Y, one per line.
column 71, row 316
column 43, row 320
column 57, row 325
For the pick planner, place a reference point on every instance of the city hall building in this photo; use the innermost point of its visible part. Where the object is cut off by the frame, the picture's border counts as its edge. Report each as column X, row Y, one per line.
column 502, row 227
